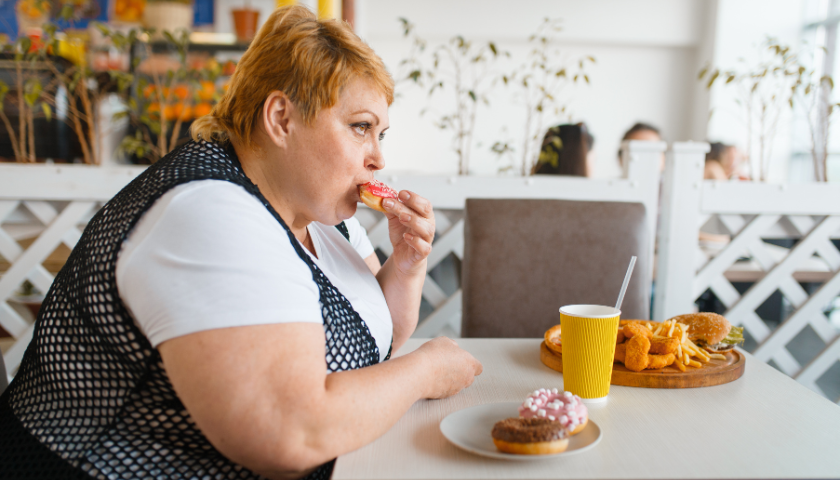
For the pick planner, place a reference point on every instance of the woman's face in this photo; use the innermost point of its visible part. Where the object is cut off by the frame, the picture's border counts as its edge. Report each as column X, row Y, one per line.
column 336, row 154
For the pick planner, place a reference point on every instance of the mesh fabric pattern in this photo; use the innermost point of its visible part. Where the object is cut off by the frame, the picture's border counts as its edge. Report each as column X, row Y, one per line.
column 92, row 398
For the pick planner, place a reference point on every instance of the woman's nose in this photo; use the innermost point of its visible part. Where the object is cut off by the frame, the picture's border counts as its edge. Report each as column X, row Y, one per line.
column 374, row 159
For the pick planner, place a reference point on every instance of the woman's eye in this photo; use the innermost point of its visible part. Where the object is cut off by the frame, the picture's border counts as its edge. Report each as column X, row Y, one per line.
column 361, row 128
column 382, row 136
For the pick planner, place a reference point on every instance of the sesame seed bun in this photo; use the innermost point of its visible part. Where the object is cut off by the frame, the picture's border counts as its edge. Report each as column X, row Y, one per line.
column 711, row 328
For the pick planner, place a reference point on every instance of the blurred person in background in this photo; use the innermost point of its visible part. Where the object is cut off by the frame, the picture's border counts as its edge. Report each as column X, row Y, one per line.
column 646, row 133
column 566, row 150
column 723, row 162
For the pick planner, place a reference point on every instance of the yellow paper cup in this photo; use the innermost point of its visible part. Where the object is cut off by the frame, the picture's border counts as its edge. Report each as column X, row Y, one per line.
column 588, row 337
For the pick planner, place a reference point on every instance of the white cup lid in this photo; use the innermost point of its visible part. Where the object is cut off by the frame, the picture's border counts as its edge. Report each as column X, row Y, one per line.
column 590, row 311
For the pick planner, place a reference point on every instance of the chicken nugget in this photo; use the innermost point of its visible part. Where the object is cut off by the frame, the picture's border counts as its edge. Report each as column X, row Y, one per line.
column 620, row 352
column 620, row 338
column 660, row 361
column 663, row 345
column 636, row 358
column 633, row 329
column 644, row 323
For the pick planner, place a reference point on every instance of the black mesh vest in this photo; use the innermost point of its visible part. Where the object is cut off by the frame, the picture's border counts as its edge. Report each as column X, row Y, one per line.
column 91, row 398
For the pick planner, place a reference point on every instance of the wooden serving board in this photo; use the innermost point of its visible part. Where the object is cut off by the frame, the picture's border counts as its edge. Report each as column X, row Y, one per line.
column 716, row 372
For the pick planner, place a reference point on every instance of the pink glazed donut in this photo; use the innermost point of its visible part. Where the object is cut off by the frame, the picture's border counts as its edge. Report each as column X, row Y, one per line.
column 563, row 407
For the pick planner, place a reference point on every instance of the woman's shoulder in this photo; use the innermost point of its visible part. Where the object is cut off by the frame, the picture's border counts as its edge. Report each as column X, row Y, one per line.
column 203, row 209
column 210, row 195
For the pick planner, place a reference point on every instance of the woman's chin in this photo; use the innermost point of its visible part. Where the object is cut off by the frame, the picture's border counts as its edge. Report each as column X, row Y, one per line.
column 346, row 211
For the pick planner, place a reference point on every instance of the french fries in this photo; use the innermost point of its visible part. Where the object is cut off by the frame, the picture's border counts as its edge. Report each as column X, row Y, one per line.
column 685, row 352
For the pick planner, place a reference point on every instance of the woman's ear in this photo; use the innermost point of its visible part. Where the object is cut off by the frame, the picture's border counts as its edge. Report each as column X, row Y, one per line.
column 276, row 117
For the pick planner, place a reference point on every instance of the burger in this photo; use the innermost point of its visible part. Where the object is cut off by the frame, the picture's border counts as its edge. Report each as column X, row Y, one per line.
column 711, row 331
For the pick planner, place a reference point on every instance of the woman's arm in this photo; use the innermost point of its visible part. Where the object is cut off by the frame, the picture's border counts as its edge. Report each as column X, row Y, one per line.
column 262, row 397
column 373, row 264
column 411, row 226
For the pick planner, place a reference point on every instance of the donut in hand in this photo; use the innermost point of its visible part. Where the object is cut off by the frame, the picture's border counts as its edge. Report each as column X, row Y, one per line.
column 373, row 192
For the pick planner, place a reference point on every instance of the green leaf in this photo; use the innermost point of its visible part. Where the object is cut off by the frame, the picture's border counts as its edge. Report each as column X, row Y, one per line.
column 729, row 79
column 702, row 73
column 591, row 58
column 104, row 30
column 25, row 44
column 493, row 48
column 30, row 98
column 712, row 79
column 66, row 12
column 415, row 75
column 472, row 95
column 586, row 77
column 47, row 111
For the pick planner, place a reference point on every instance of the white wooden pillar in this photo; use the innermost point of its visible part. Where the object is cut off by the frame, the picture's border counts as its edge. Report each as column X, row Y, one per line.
column 641, row 161
column 681, row 196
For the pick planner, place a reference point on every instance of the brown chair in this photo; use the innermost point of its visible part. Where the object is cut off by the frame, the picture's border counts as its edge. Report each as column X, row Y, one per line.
column 524, row 259
column 4, row 380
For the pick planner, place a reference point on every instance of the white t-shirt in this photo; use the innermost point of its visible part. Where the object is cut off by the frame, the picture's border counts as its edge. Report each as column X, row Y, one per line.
column 208, row 255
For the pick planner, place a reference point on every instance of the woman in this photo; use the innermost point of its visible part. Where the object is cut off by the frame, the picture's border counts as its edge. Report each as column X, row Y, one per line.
column 212, row 321
column 723, row 162
column 644, row 132
column 566, row 151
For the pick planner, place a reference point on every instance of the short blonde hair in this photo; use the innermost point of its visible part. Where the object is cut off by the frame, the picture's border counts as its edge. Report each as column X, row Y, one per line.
column 309, row 60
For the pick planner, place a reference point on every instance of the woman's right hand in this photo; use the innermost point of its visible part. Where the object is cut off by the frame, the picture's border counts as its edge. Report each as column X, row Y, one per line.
column 453, row 368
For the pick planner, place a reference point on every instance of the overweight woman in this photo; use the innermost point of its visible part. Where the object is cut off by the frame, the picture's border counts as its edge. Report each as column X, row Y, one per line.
column 224, row 316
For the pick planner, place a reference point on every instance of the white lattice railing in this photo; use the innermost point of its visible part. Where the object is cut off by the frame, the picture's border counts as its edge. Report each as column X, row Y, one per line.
column 48, row 205
column 751, row 213
column 52, row 204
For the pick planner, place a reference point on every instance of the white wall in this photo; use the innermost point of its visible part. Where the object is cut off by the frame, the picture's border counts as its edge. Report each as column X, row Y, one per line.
column 646, row 53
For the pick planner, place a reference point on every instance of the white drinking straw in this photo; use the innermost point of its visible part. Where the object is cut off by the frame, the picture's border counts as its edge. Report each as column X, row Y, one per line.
column 626, row 281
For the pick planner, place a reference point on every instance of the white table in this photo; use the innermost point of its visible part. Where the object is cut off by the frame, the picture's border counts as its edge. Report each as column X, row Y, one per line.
column 763, row 425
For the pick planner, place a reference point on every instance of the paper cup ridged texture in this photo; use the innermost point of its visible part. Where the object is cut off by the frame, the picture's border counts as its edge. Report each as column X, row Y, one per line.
column 588, row 350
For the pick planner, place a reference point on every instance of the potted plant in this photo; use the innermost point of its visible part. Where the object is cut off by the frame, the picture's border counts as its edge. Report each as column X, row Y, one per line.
column 168, row 15
column 31, row 14
column 245, row 22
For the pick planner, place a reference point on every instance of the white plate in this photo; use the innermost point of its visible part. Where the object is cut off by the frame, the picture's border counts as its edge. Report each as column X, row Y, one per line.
column 470, row 429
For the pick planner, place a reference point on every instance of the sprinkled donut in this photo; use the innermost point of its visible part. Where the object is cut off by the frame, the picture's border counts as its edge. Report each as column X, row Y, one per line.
column 562, row 407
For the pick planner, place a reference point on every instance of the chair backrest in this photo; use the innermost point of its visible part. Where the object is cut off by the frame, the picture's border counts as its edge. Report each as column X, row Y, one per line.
column 524, row 259
column 4, row 381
